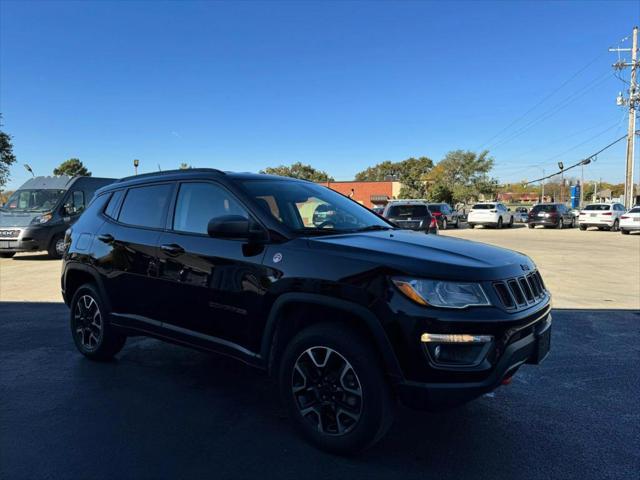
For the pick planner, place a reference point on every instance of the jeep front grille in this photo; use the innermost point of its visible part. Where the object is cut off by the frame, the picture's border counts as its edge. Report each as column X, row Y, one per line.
column 520, row 292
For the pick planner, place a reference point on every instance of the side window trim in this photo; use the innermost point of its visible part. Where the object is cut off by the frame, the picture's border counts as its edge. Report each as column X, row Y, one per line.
column 174, row 203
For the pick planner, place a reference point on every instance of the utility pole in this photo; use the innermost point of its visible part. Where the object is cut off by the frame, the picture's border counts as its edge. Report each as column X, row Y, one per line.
column 634, row 97
column 543, row 175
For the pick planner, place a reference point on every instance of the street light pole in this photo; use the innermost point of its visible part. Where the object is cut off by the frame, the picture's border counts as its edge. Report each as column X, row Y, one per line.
column 136, row 162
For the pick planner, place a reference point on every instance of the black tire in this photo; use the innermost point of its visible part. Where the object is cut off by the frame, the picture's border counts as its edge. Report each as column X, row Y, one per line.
column 615, row 226
column 624, row 232
column 573, row 223
column 560, row 225
column 444, row 224
column 374, row 405
column 499, row 225
column 106, row 341
column 457, row 224
column 7, row 254
column 472, row 225
column 582, row 227
column 56, row 246
column 531, row 225
column 510, row 224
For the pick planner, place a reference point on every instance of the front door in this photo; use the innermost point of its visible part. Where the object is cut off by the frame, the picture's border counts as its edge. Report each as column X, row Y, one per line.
column 210, row 286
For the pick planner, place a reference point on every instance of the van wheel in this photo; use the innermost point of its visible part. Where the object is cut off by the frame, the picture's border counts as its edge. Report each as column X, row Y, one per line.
column 7, row 254
column 92, row 332
column 335, row 390
column 56, row 247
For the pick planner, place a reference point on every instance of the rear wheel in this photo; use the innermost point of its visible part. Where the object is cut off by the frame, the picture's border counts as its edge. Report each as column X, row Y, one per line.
column 92, row 332
column 7, row 254
column 583, row 227
column 335, row 390
column 444, row 223
column 457, row 224
column 510, row 222
column 531, row 225
column 573, row 222
column 56, row 247
column 624, row 232
column 499, row 223
column 472, row 225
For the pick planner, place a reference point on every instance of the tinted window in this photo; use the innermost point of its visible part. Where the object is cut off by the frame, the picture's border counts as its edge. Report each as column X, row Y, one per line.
column 484, row 206
column 408, row 211
column 435, row 208
column 543, row 208
column 146, row 206
column 200, row 202
column 77, row 201
column 600, row 206
column 112, row 208
column 634, row 210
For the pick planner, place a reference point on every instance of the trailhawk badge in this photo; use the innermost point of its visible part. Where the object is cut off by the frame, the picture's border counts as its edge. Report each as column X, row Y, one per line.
column 277, row 258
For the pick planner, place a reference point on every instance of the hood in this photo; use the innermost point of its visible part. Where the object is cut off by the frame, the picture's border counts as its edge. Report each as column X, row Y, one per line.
column 17, row 219
column 433, row 256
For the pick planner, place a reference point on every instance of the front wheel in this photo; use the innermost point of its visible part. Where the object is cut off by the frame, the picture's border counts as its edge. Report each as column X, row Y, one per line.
column 615, row 226
column 56, row 247
column 531, row 225
column 92, row 332
column 335, row 390
column 444, row 224
column 560, row 224
column 499, row 222
column 7, row 254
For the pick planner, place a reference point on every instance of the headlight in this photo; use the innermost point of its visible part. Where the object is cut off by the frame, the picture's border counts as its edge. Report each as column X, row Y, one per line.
column 438, row 293
column 40, row 219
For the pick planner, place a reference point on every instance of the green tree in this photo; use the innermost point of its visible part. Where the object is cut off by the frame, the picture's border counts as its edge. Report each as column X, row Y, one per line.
column 72, row 167
column 465, row 174
column 299, row 170
column 411, row 172
column 7, row 158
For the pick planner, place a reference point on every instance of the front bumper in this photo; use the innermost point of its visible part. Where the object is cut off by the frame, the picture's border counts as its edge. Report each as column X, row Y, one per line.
column 531, row 348
column 25, row 239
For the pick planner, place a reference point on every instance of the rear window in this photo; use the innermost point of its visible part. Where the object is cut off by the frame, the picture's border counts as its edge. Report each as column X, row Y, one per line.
column 435, row 208
column 600, row 207
column 544, row 208
column 634, row 210
column 399, row 211
column 484, row 206
column 146, row 206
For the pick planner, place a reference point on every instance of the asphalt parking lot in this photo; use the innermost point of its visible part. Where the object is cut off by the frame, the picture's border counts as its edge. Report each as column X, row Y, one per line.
column 161, row 411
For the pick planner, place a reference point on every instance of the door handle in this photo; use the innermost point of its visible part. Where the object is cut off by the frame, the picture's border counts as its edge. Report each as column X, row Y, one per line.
column 106, row 238
column 172, row 249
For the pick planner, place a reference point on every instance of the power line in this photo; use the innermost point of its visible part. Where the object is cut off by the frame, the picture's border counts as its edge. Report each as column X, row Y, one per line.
column 584, row 161
column 544, row 99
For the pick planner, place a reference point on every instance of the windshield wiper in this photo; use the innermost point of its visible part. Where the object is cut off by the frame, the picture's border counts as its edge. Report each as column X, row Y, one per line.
column 373, row 228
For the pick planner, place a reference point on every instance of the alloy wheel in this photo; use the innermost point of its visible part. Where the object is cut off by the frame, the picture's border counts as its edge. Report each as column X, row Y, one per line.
column 88, row 322
column 327, row 391
column 60, row 246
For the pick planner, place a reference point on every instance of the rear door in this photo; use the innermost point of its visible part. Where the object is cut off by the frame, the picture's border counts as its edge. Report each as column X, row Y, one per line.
column 126, row 249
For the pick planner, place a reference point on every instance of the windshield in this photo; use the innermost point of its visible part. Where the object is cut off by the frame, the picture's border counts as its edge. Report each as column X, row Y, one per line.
column 597, row 207
column 407, row 211
column 543, row 208
column 484, row 206
column 310, row 208
column 33, row 200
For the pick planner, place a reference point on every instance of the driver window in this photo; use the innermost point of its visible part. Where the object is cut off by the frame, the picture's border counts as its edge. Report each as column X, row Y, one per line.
column 77, row 201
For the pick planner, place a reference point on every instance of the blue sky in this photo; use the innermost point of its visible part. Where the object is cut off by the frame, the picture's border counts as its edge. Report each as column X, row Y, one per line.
column 342, row 86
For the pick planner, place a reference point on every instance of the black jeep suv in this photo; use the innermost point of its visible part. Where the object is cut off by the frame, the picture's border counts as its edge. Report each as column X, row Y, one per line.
column 345, row 310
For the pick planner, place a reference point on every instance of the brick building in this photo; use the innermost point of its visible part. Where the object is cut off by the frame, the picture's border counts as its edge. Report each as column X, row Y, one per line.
column 369, row 194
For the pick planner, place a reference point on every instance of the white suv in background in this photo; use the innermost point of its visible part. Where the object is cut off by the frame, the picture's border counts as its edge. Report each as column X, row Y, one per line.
column 630, row 221
column 490, row 213
column 601, row 215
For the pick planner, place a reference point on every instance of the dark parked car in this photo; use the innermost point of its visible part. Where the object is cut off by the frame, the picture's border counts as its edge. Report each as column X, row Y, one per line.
column 37, row 214
column 444, row 215
column 348, row 314
column 411, row 215
column 551, row 215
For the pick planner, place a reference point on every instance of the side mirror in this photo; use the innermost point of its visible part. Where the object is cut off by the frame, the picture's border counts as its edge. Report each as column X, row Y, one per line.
column 235, row 227
column 68, row 209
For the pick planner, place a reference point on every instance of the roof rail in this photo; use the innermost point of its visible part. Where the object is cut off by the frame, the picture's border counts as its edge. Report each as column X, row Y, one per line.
column 171, row 172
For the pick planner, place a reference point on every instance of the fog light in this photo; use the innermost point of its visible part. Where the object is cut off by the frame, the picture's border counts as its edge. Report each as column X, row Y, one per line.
column 456, row 350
